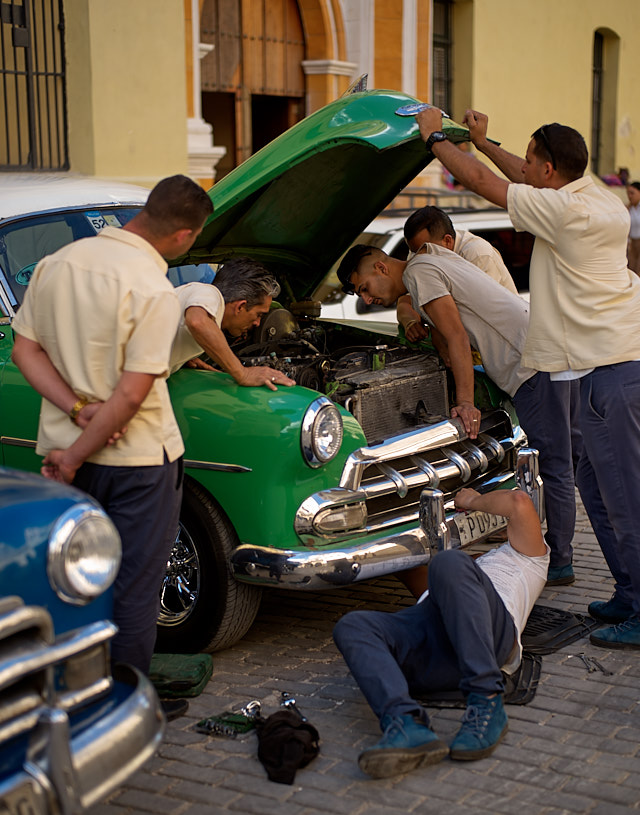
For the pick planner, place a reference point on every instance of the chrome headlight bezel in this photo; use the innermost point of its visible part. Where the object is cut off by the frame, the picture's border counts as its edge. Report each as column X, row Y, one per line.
column 321, row 413
column 84, row 554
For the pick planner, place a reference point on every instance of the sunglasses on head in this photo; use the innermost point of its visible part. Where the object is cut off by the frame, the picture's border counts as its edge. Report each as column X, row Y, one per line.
column 545, row 139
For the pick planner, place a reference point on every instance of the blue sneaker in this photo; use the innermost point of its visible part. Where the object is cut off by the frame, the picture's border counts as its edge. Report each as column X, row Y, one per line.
column 406, row 744
column 610, row 611
column 484, row 724
column 560, row 575
column 623, row 635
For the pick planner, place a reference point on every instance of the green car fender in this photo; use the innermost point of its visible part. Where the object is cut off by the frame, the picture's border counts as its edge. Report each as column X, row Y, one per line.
column 243, row 445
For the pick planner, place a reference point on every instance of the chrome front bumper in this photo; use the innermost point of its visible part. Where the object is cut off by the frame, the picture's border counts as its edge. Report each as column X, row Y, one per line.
column 68, row 773
column 441, row 527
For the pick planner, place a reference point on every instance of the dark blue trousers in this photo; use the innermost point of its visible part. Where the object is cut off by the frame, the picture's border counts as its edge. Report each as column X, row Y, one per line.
column 457, row 638
column 548, row 414
column 144, row 505
column 609, row 470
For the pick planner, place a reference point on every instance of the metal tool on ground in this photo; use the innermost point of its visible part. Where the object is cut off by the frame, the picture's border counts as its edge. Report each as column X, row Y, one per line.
column 287, row 701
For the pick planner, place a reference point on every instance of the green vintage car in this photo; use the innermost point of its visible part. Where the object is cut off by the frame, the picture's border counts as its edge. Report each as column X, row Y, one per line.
column 348, row 475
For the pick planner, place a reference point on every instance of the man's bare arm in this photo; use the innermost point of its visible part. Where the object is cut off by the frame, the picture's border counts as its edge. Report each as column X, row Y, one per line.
column 410, row 320
column 444, row 314
column 466, row 169
column 116, row 412
column 510, row 164
column 523, row 528
column 209, row 336
column 36, row 367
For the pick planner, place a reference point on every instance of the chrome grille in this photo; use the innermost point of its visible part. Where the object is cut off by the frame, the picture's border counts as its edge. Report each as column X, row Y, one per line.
column 390, row 476
column 39, row 671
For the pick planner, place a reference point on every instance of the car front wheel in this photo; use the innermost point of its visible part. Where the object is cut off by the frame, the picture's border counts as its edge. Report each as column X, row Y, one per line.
column 202, row 607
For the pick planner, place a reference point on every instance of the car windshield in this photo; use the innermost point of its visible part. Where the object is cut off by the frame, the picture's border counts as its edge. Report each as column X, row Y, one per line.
column 24, row 241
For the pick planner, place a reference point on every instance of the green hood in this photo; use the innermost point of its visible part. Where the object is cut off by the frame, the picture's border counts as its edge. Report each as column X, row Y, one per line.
column 298, row 203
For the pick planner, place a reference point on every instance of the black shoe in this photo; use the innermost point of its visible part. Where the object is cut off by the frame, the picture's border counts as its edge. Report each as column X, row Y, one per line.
column 174, row 708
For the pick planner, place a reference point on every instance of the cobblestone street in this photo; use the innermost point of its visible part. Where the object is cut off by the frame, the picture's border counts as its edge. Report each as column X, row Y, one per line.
column 574, row 749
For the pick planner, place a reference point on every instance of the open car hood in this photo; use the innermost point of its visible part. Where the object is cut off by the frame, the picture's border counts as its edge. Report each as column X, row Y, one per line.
column 298, row 203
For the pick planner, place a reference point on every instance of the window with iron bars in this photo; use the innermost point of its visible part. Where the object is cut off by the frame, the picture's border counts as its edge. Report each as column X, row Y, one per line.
column 441, row 50
column 33, row 135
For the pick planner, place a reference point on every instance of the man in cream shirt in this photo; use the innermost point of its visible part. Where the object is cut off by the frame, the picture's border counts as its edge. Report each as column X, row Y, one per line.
column 585, row 325
column 93, row 337
column 433, row 225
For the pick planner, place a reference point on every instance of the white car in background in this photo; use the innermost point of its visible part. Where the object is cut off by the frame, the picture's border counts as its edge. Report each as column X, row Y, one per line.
column 386, row 232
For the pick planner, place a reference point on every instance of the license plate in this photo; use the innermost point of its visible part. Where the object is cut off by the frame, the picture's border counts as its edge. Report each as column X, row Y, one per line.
column 26, row 799
column 473, row 526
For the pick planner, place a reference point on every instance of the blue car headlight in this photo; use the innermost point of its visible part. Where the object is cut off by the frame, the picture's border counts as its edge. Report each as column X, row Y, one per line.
column 321, row 434
column 84, row 554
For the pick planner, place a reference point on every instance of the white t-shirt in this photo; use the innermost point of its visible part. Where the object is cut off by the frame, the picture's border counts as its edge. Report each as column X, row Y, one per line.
column 211, row 300
column 518, row 579
column 495, row 319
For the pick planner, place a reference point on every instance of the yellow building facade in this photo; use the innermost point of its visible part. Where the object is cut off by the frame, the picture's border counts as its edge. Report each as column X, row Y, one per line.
column 196, row 86
column 573, row 62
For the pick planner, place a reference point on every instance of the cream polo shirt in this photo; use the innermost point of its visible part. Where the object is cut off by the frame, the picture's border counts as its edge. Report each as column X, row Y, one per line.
column 585, row 302
column 495, row 319
column 211, row 300
column 485, row 256
column 98, row 307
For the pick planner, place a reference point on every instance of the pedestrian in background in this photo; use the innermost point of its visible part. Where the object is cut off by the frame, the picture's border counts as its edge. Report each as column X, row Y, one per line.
column 633, row 250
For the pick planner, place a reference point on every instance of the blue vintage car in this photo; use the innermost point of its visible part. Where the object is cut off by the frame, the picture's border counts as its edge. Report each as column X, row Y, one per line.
column 70, row 730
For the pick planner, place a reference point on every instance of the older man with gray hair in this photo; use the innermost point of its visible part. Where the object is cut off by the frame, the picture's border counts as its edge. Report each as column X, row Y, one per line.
column 238, row 298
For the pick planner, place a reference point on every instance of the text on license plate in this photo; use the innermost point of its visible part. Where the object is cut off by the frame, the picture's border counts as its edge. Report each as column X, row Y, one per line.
column 473, row 526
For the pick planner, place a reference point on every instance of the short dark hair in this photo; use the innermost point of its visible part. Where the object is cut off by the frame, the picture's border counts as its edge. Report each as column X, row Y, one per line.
column 350, row 262
column 635, row 185
column 245, row 279
column 175, row 203
column 564, row 147
column 433, row 219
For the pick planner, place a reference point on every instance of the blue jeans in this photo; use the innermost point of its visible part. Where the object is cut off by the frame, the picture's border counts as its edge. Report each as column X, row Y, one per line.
column 548, row 413
column 144, row 504
column 609, row 470
column 457, row 638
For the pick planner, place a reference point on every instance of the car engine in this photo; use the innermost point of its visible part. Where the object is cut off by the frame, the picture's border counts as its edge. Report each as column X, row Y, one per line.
column 389, row 389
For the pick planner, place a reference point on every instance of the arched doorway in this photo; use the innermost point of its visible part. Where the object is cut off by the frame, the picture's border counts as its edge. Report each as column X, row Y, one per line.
column 253, row 85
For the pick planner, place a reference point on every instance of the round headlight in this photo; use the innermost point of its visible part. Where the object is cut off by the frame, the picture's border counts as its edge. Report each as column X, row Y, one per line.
column 321, row 434
column 84, row 554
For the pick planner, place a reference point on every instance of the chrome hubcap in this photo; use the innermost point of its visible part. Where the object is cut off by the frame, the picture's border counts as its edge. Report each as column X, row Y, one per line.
column 181, row 582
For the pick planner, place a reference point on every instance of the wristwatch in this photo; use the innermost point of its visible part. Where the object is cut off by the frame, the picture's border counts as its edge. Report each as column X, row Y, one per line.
column 436, row 136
